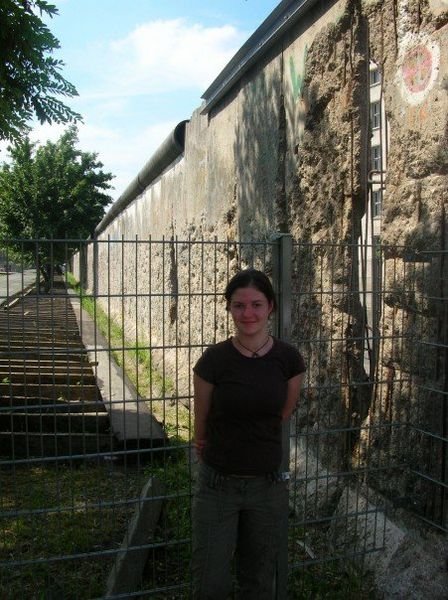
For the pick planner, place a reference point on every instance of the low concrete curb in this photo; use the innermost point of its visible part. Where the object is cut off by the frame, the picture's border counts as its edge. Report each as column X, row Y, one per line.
column 126, row 574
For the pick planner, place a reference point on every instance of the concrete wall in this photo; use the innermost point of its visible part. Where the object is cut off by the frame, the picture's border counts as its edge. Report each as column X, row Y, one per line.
column 287, row 149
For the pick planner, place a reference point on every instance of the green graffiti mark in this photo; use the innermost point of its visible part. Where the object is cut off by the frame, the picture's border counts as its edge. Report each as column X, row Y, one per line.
column 297, row 78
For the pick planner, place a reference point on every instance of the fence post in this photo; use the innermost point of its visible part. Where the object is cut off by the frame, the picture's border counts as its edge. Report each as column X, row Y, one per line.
column 83, row 277
column 281, row 276
column 95, row 270
column 282, row 280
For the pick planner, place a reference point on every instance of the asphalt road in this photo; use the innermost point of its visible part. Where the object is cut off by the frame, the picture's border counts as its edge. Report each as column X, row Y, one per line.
column 11, row 283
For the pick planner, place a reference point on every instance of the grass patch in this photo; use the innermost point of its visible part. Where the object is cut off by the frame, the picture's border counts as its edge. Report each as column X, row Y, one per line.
column 55, row 513
column 64, row 523
column 169, row 564
column 330, row 580
column 317, row 574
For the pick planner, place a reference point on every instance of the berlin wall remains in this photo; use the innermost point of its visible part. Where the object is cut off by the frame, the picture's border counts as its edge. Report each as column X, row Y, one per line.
column 288, row 149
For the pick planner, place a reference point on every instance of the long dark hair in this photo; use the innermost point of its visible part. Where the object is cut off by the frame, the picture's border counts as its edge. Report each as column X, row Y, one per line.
column 251, row 278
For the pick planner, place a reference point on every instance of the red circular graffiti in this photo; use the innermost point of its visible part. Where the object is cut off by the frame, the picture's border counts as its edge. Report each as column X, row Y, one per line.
column 417, row 68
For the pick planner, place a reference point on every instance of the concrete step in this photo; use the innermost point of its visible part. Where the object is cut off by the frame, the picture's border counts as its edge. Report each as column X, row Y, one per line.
column 37, row 403
column 59, row 376
column 51, row 391
column 23, row 445
column 55, row 422
column 49, row 345
column 61, row 394
column 77, row 364
column 42, row 354
column 36, row 330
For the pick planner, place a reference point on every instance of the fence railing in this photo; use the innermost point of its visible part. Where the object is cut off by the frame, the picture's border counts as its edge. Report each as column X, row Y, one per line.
column 95, row 406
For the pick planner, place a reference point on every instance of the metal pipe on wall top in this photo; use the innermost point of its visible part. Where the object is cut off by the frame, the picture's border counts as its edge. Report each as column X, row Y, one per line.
column 170, row 149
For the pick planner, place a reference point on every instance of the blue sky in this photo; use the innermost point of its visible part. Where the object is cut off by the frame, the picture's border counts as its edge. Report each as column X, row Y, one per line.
column 141, row 66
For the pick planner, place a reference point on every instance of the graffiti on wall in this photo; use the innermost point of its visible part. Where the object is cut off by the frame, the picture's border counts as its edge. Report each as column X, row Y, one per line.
column 418, row 71
column 297, row 75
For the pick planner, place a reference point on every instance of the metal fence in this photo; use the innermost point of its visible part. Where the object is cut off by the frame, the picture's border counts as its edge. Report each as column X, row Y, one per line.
column 95, row 376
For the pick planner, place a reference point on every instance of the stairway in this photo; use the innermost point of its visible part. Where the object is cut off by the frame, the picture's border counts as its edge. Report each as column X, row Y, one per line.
column 50, row 404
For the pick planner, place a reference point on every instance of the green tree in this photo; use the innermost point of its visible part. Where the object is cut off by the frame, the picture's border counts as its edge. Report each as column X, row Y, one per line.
column 30, row 78
column 51, row 196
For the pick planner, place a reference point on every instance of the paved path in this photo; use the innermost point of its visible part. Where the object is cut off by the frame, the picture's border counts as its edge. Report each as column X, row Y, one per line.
column 14, row 282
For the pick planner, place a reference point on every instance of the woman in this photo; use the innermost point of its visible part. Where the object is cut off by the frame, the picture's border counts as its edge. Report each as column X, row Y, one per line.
column 244, row 388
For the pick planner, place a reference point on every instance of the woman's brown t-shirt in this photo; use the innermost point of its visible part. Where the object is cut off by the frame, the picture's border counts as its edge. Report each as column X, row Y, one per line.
column 243, row 435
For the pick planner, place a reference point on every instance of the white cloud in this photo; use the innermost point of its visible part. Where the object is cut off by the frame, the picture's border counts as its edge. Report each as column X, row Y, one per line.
column 40, row 134
column 168, row 55
column 163, row 56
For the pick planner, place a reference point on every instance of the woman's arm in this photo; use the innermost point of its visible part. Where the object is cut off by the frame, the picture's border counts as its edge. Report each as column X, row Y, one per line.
column 202, row 399
column 294, row 385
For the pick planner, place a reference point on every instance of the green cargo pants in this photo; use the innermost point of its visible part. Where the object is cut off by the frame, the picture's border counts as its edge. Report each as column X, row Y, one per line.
column 241, row 518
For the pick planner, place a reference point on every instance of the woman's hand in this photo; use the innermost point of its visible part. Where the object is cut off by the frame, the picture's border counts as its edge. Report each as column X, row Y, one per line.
column 199, row 446
column 294, row 385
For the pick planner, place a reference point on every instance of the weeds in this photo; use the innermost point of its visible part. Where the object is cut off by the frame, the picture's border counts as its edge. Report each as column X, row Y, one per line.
column 330, row 580
column 57, row 513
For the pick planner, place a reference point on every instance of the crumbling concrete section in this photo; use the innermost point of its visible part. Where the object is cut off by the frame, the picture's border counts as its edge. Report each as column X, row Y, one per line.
column 408, row 566
column 404, row 560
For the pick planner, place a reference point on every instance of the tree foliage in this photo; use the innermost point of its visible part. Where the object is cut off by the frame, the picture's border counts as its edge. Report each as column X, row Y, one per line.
column 52, row 192
column 30, row 78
